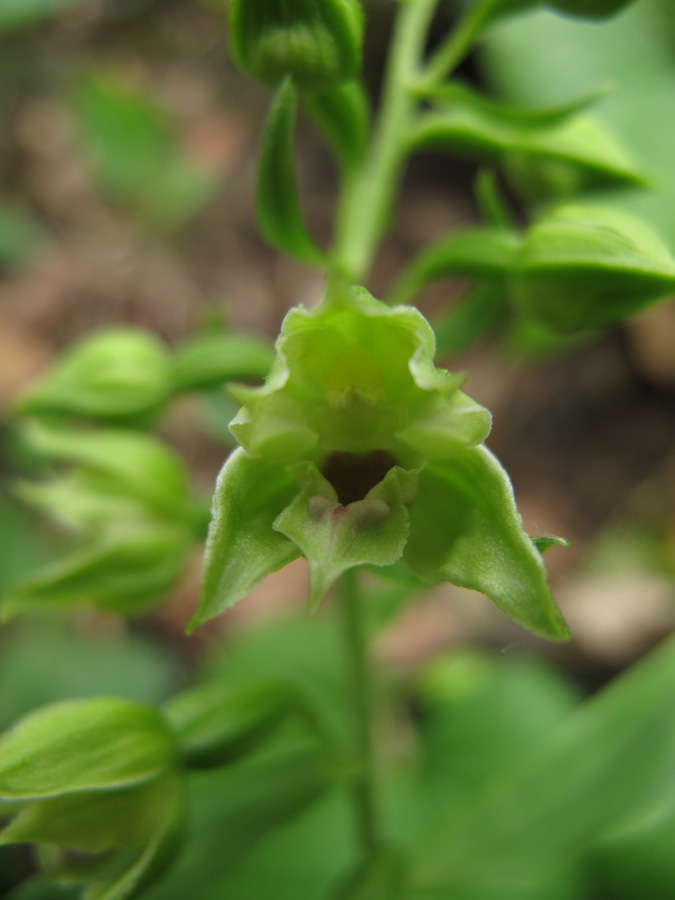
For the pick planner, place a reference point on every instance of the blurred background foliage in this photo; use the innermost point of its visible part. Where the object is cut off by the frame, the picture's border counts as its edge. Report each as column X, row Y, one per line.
column 127, row 166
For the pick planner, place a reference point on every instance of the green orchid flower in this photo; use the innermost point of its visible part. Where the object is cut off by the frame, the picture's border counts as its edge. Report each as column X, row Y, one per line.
column 358, row 450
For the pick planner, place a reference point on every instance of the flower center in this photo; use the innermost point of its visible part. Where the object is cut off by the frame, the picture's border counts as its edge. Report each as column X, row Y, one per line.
column 353, row 475
column 354, row 380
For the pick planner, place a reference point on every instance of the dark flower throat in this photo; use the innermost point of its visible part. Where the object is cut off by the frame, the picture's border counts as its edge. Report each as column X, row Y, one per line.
column 353, row 475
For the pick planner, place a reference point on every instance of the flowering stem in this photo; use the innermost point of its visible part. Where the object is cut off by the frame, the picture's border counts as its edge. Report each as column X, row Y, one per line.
column 362, row 219
column 364, row 792
column 367, row 197
column 459, row 43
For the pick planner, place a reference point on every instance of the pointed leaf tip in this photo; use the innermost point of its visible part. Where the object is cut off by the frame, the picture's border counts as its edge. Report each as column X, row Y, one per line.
column 278, row 207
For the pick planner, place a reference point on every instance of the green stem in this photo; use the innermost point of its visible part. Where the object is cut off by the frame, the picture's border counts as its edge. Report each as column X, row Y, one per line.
column 458, row 43
column 364, row 792
column 367, row 198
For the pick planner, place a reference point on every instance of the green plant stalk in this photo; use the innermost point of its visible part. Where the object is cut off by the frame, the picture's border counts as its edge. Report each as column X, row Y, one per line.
column 367, row 196
column 458, row 44
column 360, row 683
column 361, row 221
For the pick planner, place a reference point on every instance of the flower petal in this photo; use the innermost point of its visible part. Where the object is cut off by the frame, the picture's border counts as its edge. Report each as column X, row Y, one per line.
column 445, row 424
column 355, row 375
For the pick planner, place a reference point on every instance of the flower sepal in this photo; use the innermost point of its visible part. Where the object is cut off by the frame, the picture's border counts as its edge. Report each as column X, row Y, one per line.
column 242, row 547
column 465, row 528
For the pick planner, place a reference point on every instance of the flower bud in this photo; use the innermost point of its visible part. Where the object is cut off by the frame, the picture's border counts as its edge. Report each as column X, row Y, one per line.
column 316, row 42
column 118, row 373
column 93, row 782
column 126, row 503
column 582, row 267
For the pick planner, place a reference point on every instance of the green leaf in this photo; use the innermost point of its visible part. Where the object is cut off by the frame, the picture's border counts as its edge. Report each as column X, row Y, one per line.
column 217, row 723
column 334, row 537
column 583, row 157
column 342, row 115
column 528, row 61
column 588, row 9
column 41, row 888
column 242, row 547
column 183, row 190
column 529, row 340
column 589, row 148
column 132, row 879
column 22, row 549
column 137, row 464
column 316, row 44
column 242, row 809
column 474, row 22
column 470, row 318
column 277, row 204
column 465, row 528
column 84, row 502
column 611, row 763
column 526, row 117
column 547, row 541
column 89, row 822
column 485, row 130
column 120, row 372
column 492, row 205
column 475, row 251
column 581, row 267
column 127, row 570
column 304, row 858
column 304, row 652
column 97, row 744
column 637, row 860
column 51, row 660
column 211, row 359
column 67, row 865
column 135, row 154
column 382, row 877
column 21, row 234
column 483, row 712
column 23, row 13
column 535, row 178
column 218, row 409
column 497, row 9
column 237, row 808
